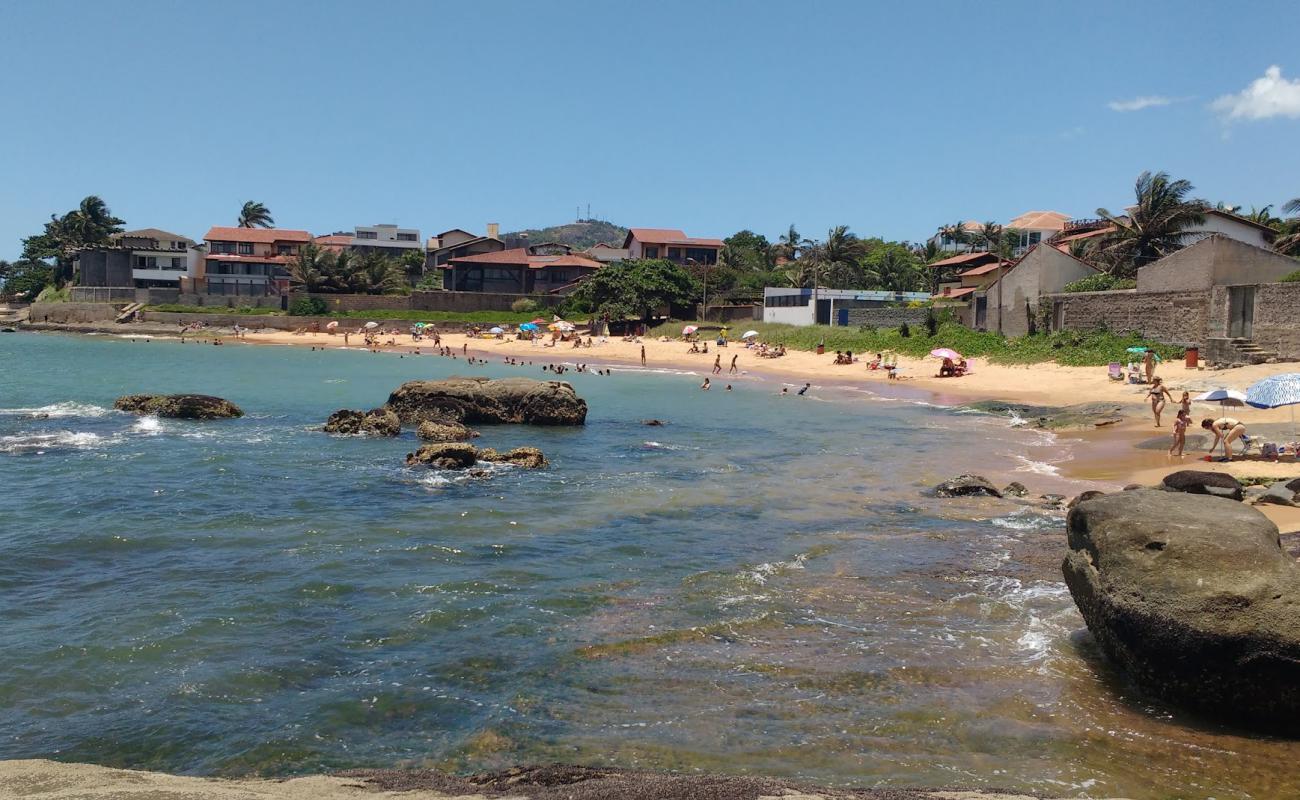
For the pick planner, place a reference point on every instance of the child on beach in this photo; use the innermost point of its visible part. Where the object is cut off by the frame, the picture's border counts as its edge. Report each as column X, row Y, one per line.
column 1180, row 432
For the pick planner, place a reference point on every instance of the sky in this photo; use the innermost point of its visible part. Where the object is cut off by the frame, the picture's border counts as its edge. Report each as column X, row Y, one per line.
column 710, row 116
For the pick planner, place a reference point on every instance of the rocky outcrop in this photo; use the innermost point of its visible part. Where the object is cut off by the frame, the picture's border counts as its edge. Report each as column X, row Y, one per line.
column 526, row 457
column 458, row 455
column 965, row 486
column 1194, row 598
column 179, row 406
column 375, row 422
column 1195, row 481
column 485, row 401
column 1015, row 489
column 431, row 431
column 1279, row 494
column 1080, row 416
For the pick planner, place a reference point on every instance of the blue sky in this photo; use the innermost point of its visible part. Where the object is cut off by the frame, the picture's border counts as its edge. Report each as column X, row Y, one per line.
column 890, row 117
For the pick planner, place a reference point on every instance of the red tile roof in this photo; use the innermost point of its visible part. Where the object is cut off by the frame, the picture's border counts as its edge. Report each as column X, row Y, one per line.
column 668, row 236
column 519, row 257
column 964, row 258
column 259, row 235
column 956, row 293
column 984, row 270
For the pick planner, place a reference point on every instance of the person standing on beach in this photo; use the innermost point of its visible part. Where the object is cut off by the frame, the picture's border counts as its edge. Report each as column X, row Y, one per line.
column 1180, row 433
column 1158, row 394
column 643, row 355
column 1149, row 366
column 717, row 364
column 733, row 369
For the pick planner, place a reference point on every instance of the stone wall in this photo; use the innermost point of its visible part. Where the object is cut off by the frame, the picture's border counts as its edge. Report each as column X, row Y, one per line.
column 1173, row 317
column 885, row 317
column 71, row 313
column 427, row 301
column 1277, row 321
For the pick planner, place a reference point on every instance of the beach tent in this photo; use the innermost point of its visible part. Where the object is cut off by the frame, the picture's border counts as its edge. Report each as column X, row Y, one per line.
column 1276, row 391
column 528, row 326
column 749, row 334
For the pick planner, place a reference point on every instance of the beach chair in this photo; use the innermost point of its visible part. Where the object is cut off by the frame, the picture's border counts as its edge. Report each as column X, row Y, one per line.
column 1116, row 371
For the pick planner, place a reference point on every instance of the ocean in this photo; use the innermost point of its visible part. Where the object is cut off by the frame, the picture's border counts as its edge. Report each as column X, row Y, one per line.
column 760, row 586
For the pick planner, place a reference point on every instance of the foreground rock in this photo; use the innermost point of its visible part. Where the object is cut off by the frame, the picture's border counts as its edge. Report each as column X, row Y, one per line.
column 51, row 780
column 1194, row 598
column 458, row 455
column 484, row 401
column 431, row 431
column 375, row 422
column 965, row 486
column 179, row 406
column 1195, row 481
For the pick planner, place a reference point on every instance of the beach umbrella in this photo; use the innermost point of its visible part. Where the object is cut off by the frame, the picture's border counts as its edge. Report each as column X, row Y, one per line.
column 1224, row 397
column 419, row 324
column 332, row 325
column 372, row 324
column 945, row 352
column 689, row 329
column 1136, row 350
column 528, row 326
column 749, row 334
column 565, row 326
column 539, row 321
column 1276, row 391
column 496, row 329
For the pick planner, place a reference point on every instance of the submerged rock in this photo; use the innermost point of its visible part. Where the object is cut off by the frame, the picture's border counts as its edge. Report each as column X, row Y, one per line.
column 179, row 406
column 1082, row 415
column 527, row 457
column 1015, row 489
column 375, row 422
column 966, row 485
column 431, row 431
column 1195, row 481
column 486, row 401
column 1194, row 598
column 448, row 455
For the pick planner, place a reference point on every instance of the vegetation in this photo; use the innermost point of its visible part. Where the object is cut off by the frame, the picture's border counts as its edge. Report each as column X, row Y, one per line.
column 178, row 308
column 498, row 317
column 636, row 289
column 579, row 235
column 525, row 305
column 54, row 294
column 255, row 215
column 1101, row 282
column 25, row 278
column 1153, row 229
column 346, row 272
column 90, row 223
column 1290, row 277
column 1288, row 239
column 308, row 307
column 1067, row 348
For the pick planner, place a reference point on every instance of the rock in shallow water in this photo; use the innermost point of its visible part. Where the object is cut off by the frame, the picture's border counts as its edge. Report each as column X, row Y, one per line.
column 1194, row 598
column 375, row 422
column 965, row 485
column 431, row 431
column 458, row 455
column 481, row 400
column 179, row 406
column 527, row 457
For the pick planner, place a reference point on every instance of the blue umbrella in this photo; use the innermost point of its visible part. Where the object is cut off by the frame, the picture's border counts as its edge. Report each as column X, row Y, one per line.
column 528, row 326
column 1276, row 391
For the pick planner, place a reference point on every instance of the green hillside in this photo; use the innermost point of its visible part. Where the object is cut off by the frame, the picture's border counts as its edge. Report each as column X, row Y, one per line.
column 580, row 235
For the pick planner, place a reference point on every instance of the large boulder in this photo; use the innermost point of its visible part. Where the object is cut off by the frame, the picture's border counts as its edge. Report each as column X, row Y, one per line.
column 1279, row 494
column 966, row 485
column 447, row 455
column 527, row 457
column 431, row 431
column 1194, row 598
column 375, row 422
column 1196, row 481
column 487, row 401
column 179, row 406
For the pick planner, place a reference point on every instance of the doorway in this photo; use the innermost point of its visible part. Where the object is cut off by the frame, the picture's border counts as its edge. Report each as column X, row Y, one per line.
column 1241, row 312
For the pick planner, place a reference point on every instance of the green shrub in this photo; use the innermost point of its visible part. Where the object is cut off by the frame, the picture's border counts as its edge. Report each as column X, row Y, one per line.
column 308, row 307
column 1290, row 277
column 904, row 331
column 1101, row 282
column 524, row 305
column 931, row 322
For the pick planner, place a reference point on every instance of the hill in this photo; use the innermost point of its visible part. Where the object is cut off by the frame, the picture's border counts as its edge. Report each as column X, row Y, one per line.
column 580, row 235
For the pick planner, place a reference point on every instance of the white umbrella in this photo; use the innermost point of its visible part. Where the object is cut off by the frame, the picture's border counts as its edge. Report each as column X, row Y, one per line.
column 372, row 324
column 1224, row 397
column 749, row 334
column 1276, row 391
column 332, row 325
column 496, row 330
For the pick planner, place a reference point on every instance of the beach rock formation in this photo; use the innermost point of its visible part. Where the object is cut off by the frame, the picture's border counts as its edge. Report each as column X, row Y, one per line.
column 458, row 455
column 1193, row 597
column 1079, row 416
column 375, row 422
column 486, row 401
column 966, row 485
column 431, row 431
column 1083, row 496
column 1195, row 481
column 179, row 406
column 1279, row 494
column 1015, row 489
column 527, row 457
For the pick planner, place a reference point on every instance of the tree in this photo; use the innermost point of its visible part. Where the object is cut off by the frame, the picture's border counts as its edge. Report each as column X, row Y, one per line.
column 413, row 264
column 1155, row 226
column 835, row 262
column 790, row 244
column 1264, row 216
column 1288, row 240
column 87, row 225
column 375, row 273
column 956, row 233
column 255, row 215
column 637, row 288
column 311, row 270
column 25, row 278
column 894, row 268
column 990, row 233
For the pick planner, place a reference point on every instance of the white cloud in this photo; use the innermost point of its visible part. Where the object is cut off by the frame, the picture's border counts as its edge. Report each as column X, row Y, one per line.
column 1139, row 103
column 1266, row 97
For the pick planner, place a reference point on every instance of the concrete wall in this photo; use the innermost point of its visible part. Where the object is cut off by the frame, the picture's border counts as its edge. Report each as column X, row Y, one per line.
column 428, row 301
column 155, row 297
column 1044, row 271
column 1173, row 317
column 1216, row 261
column 886, row 317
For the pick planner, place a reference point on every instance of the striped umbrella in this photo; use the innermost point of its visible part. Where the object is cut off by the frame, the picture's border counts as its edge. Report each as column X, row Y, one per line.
column 1276, row 391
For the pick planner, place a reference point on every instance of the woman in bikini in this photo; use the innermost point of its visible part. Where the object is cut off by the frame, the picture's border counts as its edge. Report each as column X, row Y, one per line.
column 1158, row 394
column 1226, row 430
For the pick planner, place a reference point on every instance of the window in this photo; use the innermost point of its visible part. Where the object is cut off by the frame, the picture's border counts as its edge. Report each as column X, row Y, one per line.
column 407, row 237
column 651, row 251
column 245, row 248
column 284, row 249
column 702, row 255
column 367, row 235
column 178, row 245
column 675, row 253
column 178, row 263
column 787, row 300
column 227, row 248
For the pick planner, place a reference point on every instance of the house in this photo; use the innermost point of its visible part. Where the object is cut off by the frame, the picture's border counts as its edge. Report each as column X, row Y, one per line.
column 1217, row 221
column 945, row 243
column 1214, row 260
column 1012, row 302
column 607, row 253
column 145, row 258
column 671, row 244
column 539, row 269
column 458, row 243
column 960, row 293
column 829, row 306
column 252, row 261
column 1035, row 227
column 389, row 240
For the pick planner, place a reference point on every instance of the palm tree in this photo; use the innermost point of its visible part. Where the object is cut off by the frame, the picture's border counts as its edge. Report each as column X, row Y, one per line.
column 991, row 234
column 956, row 233
column 1288, row 240
column 375, row 273
column 893, row 269
column 790, row 244
column 1263, row 216
column 255, row 215
column 1153, row 228
column 311, row 270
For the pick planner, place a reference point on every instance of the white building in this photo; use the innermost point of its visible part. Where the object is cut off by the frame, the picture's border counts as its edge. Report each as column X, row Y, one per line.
column 796, row 306
column 946, row 244
column 1035, row 227
column 387, row 239
column 160, row 259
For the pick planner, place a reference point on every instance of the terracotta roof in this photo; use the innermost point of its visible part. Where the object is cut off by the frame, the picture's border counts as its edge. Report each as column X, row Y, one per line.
column 668, row 236
column 965, row 258
column 1074, row 237
column 987, row 268
column 1040, row 220
column 956, row 293
column 259, row 235
column 519, row 257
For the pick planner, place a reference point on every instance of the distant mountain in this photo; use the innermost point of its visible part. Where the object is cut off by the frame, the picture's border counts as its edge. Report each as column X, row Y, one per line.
column 579, row 235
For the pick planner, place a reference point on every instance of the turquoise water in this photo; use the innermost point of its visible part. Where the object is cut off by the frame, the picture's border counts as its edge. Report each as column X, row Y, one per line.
column 759, row 586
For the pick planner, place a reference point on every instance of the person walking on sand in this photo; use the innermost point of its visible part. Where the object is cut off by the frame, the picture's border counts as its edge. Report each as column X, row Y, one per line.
column 733, row 369
column 1180, row 433
column 643, row 355
column 1226, row 430
column 1158, row 394
column 717, row 364
column 1149, row 365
